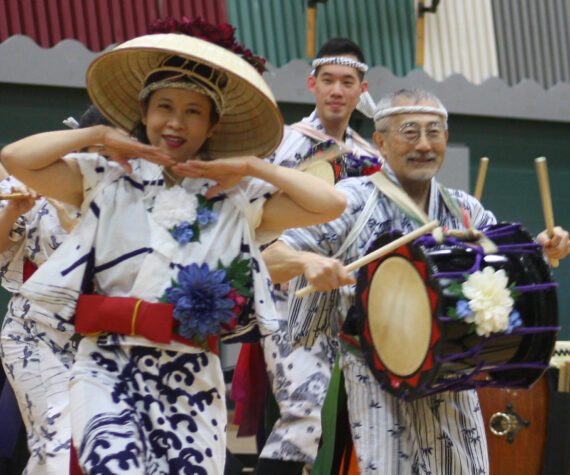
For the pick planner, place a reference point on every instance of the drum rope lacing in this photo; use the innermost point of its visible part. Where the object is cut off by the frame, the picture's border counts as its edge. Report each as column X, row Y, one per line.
column 476, row 353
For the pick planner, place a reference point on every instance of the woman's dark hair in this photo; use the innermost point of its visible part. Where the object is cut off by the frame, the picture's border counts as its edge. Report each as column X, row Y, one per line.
column 92, row 117
column 341, row 47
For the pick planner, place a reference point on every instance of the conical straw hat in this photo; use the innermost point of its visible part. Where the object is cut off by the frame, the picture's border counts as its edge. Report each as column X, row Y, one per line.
column 250, row 124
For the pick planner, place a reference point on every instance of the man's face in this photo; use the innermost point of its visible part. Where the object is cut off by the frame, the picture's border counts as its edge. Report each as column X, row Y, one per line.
column 336, row 89
column 414, row 145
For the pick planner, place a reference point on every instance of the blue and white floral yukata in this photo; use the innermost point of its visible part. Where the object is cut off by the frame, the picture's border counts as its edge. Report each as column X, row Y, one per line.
column 37, row 352
column 299, row 377
column 438, row 434
column 139, row 406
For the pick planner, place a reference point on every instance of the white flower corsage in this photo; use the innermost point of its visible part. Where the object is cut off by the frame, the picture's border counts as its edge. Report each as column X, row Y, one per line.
column 183, row 214
column 486, row 301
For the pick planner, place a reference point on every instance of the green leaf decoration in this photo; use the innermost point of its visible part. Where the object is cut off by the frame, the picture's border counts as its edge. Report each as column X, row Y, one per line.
column 238, row 274
column 456, row 289
column 196, row 340
column 514, row 293
column 196, row 229
column 452, row 312
column 203, row 202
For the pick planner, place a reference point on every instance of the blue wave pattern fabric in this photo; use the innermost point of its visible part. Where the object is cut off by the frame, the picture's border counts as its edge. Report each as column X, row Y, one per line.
column 126, row 390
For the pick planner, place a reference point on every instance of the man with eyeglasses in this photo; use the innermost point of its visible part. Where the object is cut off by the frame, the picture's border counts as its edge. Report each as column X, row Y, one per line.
column 438, row 434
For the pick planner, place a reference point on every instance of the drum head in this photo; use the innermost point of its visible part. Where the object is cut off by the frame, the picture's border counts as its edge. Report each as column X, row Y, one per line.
column 394, row 310
column 324, row 170
column 399, row 316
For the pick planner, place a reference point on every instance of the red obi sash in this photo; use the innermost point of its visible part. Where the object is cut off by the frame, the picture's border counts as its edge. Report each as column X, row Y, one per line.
column 131, row 316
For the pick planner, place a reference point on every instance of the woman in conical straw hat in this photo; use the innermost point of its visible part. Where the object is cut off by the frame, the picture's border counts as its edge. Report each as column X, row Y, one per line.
column 165, row 259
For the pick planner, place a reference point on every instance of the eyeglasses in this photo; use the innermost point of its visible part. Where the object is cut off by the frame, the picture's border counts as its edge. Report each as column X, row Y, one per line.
column 411, row 132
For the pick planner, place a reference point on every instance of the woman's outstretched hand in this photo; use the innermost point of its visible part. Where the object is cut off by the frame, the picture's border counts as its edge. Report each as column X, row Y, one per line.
column 226, row 172
column 119, row 147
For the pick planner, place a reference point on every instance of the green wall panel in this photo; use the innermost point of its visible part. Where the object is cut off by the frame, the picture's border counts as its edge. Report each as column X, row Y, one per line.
column 276, row 29
column 28, row 109
column 511, row 188
column 25, row 110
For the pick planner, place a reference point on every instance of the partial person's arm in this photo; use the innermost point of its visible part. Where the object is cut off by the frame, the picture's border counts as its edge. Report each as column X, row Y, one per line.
column 302, row 199
column 555, row 247
column 38, row 160
column 323, row 273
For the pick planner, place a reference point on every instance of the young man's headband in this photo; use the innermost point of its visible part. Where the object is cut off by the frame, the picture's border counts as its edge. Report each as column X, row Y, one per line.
column 342, row 60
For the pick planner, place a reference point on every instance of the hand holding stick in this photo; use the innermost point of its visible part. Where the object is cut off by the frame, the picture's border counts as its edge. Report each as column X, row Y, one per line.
column 368, row 258
column 14, row 196
column 483, row 163
column 544, row 186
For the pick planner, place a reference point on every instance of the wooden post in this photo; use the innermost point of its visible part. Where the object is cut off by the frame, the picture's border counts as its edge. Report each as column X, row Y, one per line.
column 420, row 38
column 311, row 29
column 483, row 163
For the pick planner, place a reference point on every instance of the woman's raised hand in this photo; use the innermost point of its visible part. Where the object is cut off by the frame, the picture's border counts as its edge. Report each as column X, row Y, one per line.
column 120, row 147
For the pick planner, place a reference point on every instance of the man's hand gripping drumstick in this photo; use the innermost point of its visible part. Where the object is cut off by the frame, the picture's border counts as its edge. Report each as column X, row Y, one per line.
column 554, row 239
column 342, row 280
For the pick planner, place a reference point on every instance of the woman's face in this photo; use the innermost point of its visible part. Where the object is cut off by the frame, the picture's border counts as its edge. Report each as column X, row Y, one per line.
column 178, row 121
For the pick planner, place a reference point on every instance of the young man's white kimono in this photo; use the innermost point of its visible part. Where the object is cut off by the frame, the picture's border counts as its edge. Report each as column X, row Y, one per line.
column 299, row 377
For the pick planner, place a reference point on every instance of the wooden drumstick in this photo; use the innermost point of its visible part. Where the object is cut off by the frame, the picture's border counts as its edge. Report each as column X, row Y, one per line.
column 14, row 196
column 544, row 186
column 483, row 163
column 368, row 258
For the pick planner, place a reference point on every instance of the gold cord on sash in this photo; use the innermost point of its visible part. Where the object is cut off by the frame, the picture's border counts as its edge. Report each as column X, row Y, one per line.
column 134, row 317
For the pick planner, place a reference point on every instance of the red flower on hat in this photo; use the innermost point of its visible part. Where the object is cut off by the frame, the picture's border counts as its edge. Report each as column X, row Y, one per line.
column 221, row 35
column 168, row 25
column 225, row 35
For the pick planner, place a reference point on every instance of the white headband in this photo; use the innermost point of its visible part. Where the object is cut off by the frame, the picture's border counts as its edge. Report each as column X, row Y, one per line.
column 342, row 60
column 409, row 110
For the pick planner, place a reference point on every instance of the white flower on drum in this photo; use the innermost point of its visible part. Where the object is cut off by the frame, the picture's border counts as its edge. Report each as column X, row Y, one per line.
column 489, row 300
column 173, row 206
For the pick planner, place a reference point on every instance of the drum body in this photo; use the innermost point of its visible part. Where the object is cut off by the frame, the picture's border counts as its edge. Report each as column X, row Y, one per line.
column 415, row 347
column 328, row 161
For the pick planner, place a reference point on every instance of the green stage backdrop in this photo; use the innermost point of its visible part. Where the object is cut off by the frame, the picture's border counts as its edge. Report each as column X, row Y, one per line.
column 511, row 188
